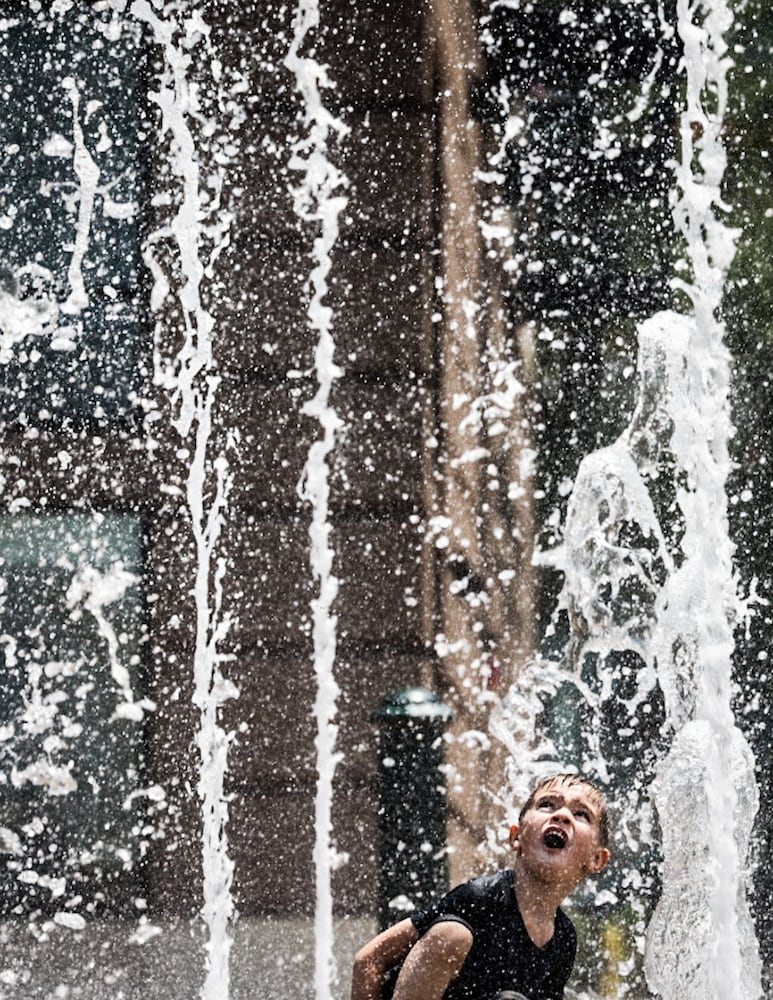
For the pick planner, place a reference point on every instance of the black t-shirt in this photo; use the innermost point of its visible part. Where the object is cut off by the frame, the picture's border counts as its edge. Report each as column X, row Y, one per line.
column 502, row 956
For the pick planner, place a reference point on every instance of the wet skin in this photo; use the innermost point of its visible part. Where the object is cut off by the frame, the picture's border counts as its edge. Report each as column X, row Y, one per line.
column 556, row 846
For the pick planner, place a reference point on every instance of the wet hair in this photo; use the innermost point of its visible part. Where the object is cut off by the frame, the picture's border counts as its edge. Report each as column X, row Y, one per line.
column 573, row 779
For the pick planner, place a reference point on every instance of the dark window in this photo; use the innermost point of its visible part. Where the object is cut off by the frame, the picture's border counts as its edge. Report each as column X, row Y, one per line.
column 71, row 715
column 72, row 101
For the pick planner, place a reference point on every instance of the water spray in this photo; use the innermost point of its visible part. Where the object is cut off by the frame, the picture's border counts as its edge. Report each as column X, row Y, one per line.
column 317, row 202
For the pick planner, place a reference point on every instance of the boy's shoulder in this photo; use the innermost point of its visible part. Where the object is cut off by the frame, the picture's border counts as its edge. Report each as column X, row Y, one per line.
column 472, row 902
column 497, row 890
column 499, row 883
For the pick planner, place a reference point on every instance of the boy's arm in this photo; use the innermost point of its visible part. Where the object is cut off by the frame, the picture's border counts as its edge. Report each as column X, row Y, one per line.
column 373, row 961
column 435, row 962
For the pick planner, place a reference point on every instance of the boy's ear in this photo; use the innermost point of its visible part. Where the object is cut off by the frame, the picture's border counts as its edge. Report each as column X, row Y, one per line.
column 599, row 862
column 513, row 837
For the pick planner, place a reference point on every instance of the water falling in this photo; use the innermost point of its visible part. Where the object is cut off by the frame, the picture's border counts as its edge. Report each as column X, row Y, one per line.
column 673, row 578
column 701, row 937
column 649, row 570
column 73, row 707
column 87, row 173
column 193, row 385
column 316, row 202
column 650, row 588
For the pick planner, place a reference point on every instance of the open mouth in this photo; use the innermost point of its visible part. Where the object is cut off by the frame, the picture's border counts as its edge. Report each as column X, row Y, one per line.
column 555, row 839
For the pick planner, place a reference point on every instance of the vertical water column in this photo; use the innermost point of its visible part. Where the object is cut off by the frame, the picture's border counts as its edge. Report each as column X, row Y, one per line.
column 710, row 248
column 193, row 385
column 317, row 203
column 705, row 852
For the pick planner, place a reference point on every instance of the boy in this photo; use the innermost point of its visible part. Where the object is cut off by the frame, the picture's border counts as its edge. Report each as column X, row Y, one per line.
column 501, row 932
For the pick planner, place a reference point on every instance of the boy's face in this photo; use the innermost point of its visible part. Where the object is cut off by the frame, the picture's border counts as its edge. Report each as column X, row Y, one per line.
column 558, row 839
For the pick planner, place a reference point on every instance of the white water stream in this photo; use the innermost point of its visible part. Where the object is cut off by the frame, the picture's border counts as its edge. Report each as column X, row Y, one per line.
column 193, row 384
column 318, row 203
column 673, row 602
column 656, row 581
column 701, row 938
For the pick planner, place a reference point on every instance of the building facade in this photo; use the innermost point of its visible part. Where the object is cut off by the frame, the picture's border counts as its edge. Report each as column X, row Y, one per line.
column 158, row 361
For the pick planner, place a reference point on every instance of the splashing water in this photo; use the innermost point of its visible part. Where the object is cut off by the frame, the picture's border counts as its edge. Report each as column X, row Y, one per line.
column 701, row 938
column 669, row 599
column 87, row 172
column 94, row 590
column 194, row 387
column 672, row 599
column 649, row 580
column 633, row 588
column 317, row 203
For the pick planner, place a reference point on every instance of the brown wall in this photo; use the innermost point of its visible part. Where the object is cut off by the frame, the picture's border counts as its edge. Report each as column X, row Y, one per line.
column 411, row 218
column 377, row 283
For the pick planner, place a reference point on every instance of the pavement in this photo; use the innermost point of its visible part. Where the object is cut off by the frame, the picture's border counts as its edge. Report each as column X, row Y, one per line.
column 271, row 959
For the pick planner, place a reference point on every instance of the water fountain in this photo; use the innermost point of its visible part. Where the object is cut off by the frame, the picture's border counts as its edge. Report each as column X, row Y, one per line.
column 147, row 469
column 649, row 585
column 316, row 201
column 100, row 580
